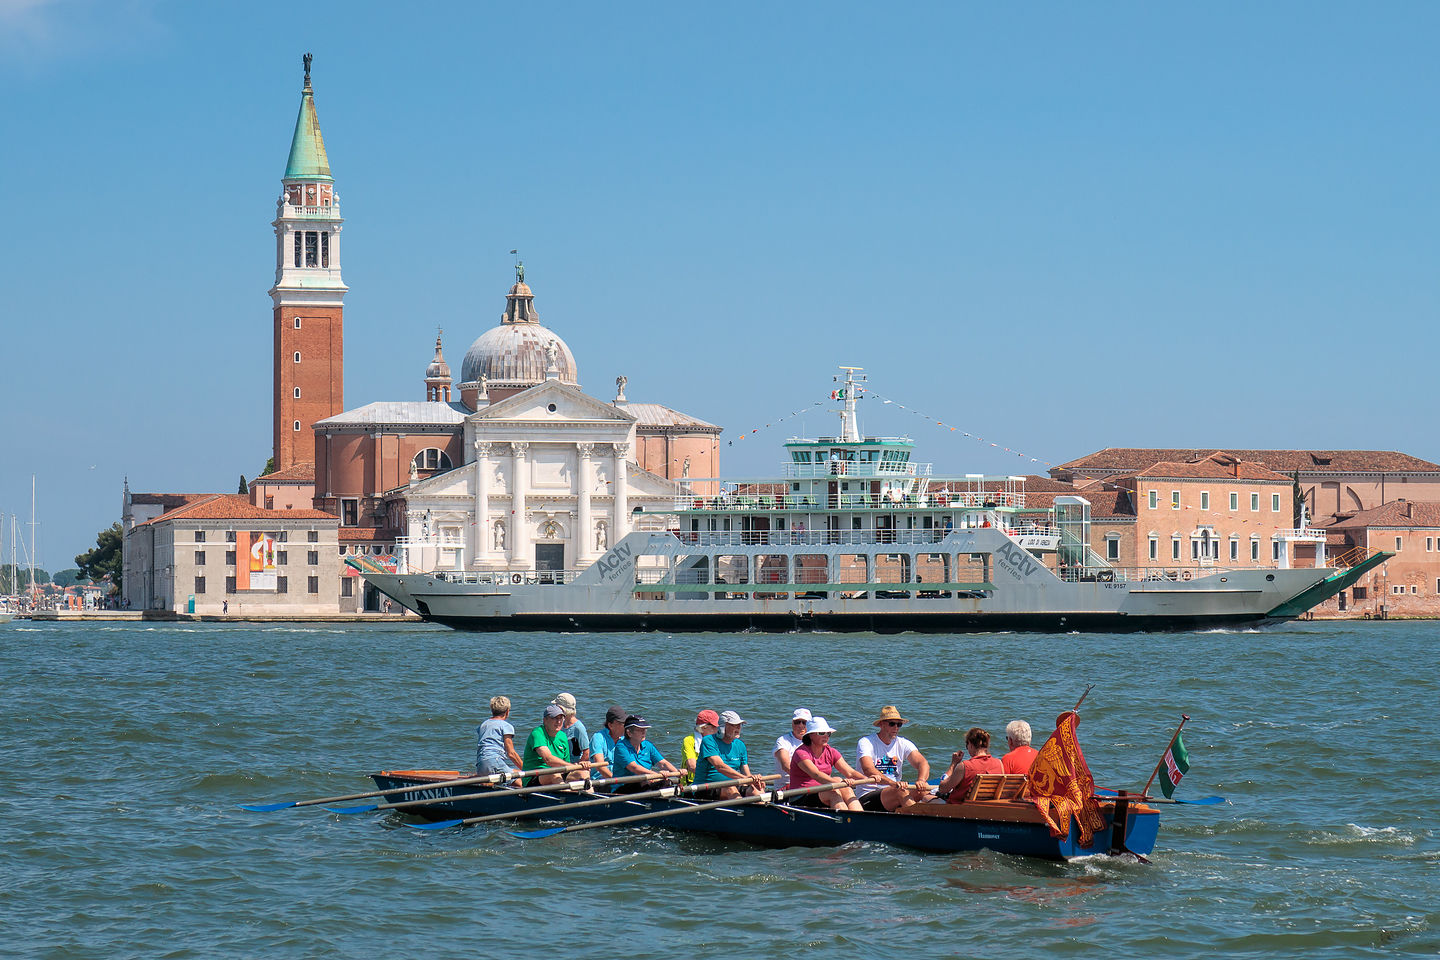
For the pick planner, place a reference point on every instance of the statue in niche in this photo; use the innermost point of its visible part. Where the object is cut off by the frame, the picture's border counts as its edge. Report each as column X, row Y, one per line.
column 499, row 537
column 600, row 535
column 425, row 525
column 685, row 469
column 551, row 530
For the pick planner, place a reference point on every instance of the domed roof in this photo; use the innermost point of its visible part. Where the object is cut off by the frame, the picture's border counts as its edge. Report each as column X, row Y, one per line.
column 438, row 368
column 513, row 354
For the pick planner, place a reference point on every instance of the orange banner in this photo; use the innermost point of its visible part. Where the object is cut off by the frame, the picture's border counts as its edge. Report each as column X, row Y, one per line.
column 1061, row 785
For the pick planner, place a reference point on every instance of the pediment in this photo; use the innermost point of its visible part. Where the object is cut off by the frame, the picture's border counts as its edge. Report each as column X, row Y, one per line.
column 572, row 405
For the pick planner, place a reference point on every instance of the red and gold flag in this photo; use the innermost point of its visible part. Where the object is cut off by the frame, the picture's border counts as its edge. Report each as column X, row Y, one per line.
column 1061, row 786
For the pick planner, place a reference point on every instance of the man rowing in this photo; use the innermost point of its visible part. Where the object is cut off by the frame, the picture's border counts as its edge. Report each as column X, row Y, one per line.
column 884, row 754
column 723, row 757
column 575, row 731
column 548, row 746
column 602, row 744
column 636, row 755
column 1021, row 755
column 495, row 748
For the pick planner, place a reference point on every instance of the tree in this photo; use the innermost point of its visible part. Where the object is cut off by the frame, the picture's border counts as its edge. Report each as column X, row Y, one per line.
column 22, row 579
column 269, row 467
column 105, row 558
column 66, row 578
column 244, row 487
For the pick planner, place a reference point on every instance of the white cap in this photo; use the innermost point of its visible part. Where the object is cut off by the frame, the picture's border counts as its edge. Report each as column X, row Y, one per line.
column 818, row 725
column 566, row 702
column 730, row 716
column 800, row 714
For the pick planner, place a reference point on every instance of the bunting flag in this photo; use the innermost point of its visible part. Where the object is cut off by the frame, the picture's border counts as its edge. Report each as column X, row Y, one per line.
column 1061, row 786
column 954, row 429
column 1173, row 766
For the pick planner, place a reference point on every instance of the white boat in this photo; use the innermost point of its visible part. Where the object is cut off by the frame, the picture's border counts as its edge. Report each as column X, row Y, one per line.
column 854, row 535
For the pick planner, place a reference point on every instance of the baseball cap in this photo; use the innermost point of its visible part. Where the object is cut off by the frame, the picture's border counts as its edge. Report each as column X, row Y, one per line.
column 553, row 710
column 800, row 714
column 708, row 716
column 730, row 716
column 615, row 713
column 566, row 702
column 635, row 720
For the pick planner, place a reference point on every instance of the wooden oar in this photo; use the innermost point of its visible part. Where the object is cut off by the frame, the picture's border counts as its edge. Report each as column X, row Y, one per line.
column 597, row 802
column 777, row 796
column 462, row 782
column 519, row 791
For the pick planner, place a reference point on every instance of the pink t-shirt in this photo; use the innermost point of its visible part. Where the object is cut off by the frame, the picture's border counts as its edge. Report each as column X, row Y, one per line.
column 825, row 762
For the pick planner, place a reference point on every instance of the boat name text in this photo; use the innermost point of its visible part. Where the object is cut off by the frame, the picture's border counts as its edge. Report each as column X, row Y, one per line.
column 613, row 563
column 1019, row 563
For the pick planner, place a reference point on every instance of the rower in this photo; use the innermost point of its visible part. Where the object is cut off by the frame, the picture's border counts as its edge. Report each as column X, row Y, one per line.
column 1021, row 755
column 549, row 747
column 574, row 730
column 786, row 743
column 723, row 757
column 883, row 754
column 602, row 744
column 636, row 755
column 495, row 750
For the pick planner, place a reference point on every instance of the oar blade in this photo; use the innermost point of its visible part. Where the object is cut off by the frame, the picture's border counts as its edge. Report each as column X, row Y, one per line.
column 267, row 807
column 1204, row 801
column 436, row 824
column 351, row 811
column 537, row 834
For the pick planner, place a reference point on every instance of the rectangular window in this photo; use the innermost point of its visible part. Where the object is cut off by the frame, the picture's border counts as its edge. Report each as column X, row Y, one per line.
column 1154, row 548
column 1275, row 550
column 199, row 536
column 229, row 584
column 312, row 584
column 282, row 584
column 312, row 249
column 325, row 248
column 1361, row 593
column 313, row 536
column 1154, row 499
column 1255, row 502
column 269, row 503
column 1414, row 589
column 1234, row 549
column 230, row 558
column 199, row 584
column 312, row 557
column 229, row 536
column 1397, row 589
column 1174, row 499
column 1175, row 548
column 282, row 536
column 1194, row 549
column 282, row 557
column 1398, row 541
column 1437, row 585
column 1255, row 550
column 1234, row 501
column 347, row 587
column 297, row 248
column 1112, row 549
column 350, row 512
column 1204, row 499
column 199, row 558
column 1429, row 544
column 1274, row 503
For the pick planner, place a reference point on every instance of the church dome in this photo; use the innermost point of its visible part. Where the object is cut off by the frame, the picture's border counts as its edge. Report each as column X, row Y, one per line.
column 438, row 368
column 513, row 354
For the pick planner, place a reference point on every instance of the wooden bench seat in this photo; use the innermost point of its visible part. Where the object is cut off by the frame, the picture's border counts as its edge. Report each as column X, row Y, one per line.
column 996, row 786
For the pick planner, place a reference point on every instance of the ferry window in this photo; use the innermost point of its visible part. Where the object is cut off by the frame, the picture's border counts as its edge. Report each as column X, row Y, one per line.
column 1234, row 501
column 1204, row 499
column 794, row 488
column 1174, row 499
column 1255, row 502
column 1154, row 499
column 854, row 523
column 1274, row 503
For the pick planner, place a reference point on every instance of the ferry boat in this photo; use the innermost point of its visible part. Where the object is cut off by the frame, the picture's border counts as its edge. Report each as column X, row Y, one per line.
column 854, row 535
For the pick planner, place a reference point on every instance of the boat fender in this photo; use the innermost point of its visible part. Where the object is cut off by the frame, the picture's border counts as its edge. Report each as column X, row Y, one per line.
column 1185, row 575
column 514, row 578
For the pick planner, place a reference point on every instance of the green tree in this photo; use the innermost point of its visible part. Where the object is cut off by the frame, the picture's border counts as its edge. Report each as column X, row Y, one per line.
column 244, row 487
column 105, row 558
column 22, row 579
column 269, row 467
column 67, row 578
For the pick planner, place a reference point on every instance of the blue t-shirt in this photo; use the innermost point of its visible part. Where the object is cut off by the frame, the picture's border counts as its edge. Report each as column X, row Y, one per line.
column 647, row 756
column 490, row 756
column 602, row 747
column 579, row 738
column 733, row 754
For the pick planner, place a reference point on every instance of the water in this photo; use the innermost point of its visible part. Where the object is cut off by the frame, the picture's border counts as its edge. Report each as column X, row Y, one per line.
column 126, row 747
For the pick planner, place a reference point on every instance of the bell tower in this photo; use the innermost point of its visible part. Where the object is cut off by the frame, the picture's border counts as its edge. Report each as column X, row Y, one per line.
column 308, row 294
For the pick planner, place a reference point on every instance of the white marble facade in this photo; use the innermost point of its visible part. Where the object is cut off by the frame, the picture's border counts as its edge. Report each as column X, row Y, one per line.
column 548, row 482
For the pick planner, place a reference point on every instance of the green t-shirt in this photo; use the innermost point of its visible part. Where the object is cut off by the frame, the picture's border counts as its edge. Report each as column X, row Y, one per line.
column 559, row 746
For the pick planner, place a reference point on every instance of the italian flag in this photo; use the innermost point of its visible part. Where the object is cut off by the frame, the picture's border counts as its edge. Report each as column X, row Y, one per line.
column 1173, row 766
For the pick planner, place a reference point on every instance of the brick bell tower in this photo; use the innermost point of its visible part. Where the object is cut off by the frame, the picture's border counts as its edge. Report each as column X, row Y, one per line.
column 309, row 295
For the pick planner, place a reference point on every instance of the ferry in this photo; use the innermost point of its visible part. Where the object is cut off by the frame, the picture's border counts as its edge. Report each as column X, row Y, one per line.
column 852, row 534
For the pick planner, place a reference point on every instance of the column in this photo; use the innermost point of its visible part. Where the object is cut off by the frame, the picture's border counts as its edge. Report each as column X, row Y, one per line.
column 621, row 524
column 584, row 524
column 519, row 533
column 483, row 530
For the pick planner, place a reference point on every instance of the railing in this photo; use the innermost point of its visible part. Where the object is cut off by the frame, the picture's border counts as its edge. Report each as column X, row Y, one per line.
column 780, row 538
column 855, row 468
column 935, row 500
column 1350, row 558
column 509, row 578
column 1141, row 574
column 1303, row 535
column 331, row 212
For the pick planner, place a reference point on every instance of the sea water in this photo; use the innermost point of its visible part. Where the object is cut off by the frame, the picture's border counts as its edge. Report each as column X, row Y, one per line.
column 126, row 749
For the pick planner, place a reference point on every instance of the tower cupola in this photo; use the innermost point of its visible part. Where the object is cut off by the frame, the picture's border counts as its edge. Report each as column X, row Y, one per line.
column 437, row 375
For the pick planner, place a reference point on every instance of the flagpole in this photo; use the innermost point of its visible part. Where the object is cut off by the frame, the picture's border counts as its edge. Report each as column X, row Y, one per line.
column 1082, row 697
column 1156, row 772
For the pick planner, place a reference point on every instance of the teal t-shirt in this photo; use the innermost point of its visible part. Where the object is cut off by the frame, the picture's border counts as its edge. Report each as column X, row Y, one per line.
column 559, row 746
column 733, row 754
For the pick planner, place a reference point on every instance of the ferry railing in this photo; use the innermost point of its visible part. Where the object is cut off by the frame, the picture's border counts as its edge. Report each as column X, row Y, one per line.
column 782, row 538
column 505, row 577
column 1152, row 574
column 934, row 500
column 855, row 468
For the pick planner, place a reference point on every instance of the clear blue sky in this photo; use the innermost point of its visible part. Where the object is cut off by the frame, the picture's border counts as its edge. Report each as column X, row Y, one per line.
column 1057, row 226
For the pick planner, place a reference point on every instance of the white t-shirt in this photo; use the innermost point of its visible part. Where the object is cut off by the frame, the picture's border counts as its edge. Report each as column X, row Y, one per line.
column 888, row 760
column 789, row 743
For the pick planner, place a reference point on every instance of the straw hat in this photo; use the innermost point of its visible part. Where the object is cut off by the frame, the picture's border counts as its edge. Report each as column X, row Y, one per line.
column 888, row 713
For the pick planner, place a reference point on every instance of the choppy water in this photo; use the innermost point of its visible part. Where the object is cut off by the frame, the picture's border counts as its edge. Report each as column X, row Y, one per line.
column 125, row 749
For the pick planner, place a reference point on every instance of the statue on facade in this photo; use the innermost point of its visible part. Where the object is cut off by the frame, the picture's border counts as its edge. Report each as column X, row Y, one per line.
column 552, row 354
column 620, row 387
column 600, row 542
column 519, row 271
column 484, row 387
column 414, row 472
column 499, row 535
column 307, row 58
column 685, row 469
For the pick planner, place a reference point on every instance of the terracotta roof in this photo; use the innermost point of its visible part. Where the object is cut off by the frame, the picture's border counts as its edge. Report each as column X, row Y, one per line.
column 167, row 500
column 1130, row 459
column 300, row 473
column 1396, row 513
column 1104, row 504
column 1212, row 468
column 232, row 506
column 366, row 534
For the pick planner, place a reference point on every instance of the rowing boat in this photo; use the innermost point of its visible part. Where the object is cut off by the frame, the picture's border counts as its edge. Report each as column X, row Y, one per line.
column 1002, row 822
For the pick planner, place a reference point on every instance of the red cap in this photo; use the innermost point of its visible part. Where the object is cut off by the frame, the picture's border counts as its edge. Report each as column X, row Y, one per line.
column 708, row 716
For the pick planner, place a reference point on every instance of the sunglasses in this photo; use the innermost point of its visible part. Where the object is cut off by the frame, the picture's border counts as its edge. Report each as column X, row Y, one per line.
column 894, row 723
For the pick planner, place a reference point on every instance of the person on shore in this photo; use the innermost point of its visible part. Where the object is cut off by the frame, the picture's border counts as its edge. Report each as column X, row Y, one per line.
column 723, row 757
column 547, row 747
column 786, row 743
column 602, row 744
column 963, row 772
column 884, row 754
column 575, row 731
column 1021, row 754
column 814, row 762
column 495, row 752
column 706, row 723
column 634, row 755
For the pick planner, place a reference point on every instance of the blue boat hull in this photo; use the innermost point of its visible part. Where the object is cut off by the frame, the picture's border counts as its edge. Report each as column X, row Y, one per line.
column 1010, row 827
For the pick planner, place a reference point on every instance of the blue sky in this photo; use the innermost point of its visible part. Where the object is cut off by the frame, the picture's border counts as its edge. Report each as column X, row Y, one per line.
column 1058, row 227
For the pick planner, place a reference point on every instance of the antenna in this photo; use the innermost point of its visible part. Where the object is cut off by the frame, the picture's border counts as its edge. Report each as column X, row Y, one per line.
column 849, row 424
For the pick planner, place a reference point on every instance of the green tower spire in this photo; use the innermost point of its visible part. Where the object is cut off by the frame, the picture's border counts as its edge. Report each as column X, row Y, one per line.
column 307, row 148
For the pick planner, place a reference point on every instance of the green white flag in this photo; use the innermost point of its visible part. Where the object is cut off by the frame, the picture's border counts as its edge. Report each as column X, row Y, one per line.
column 1173, row 766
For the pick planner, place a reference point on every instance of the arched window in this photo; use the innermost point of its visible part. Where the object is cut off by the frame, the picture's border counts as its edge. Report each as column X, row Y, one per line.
column 431, row 458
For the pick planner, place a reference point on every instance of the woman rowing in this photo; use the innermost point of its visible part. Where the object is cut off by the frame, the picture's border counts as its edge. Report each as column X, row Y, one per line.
column 636, row 755
column 814, row 763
